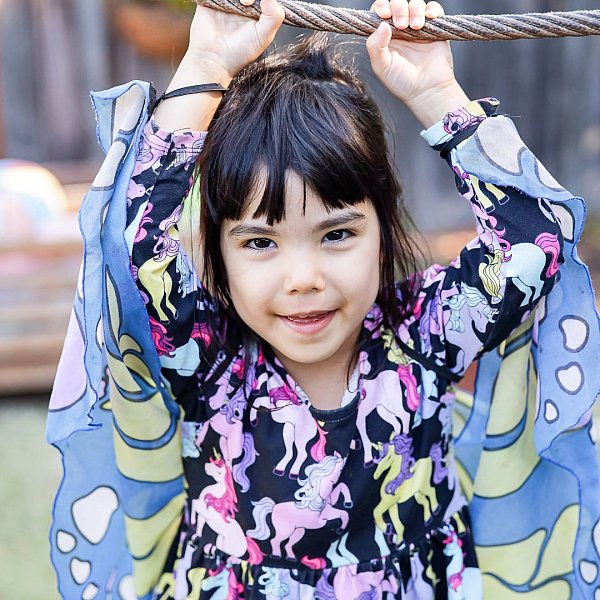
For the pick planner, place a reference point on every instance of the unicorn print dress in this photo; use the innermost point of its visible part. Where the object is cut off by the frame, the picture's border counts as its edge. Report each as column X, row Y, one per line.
column 232, row 487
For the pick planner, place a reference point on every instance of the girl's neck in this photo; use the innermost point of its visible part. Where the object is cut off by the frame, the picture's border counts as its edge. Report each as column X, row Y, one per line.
column 326, row 381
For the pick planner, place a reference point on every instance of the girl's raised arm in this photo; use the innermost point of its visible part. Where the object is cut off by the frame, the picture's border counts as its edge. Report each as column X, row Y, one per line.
column 178, row 307
column 221, row 44
column 476, row 302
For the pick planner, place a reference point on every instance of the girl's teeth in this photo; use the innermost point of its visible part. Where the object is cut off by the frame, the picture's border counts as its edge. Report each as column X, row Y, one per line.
column 311, row 319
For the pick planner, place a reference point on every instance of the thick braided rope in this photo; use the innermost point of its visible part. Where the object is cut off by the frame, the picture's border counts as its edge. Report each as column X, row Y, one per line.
column 449, row 27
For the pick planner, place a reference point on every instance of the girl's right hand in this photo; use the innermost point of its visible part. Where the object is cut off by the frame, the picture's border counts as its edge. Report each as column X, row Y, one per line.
column 221, row 44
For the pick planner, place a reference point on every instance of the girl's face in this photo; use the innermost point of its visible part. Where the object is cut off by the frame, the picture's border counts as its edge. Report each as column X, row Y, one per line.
column 305, row 283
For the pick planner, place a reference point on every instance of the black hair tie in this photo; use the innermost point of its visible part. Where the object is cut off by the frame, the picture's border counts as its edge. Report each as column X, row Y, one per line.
column 190, row 89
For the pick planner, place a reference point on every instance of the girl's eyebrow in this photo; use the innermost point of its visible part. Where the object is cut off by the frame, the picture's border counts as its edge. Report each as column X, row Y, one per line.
column 339, row 220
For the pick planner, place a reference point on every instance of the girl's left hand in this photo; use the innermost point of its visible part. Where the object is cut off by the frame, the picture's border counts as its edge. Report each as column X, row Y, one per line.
column 410, row 70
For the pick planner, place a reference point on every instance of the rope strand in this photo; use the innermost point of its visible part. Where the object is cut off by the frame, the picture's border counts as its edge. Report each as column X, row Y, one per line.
column 449, row 27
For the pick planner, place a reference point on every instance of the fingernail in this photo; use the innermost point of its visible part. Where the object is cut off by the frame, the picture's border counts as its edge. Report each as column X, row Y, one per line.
column 402, row 22
column 415, row 23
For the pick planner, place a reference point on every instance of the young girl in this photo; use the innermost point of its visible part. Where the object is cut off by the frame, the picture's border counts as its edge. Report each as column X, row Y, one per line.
column 308, row 365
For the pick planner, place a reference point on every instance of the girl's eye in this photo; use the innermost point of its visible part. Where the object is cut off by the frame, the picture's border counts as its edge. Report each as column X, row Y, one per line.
column 339, row 235
column 259, row 244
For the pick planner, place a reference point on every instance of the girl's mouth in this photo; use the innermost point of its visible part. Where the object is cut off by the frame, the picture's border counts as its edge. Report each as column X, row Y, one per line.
column 309, row 323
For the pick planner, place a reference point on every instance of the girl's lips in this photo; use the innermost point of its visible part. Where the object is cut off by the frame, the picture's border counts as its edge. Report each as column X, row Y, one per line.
column 309, row 324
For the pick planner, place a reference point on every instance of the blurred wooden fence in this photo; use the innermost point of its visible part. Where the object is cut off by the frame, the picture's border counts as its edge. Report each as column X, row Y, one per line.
column 54, row 52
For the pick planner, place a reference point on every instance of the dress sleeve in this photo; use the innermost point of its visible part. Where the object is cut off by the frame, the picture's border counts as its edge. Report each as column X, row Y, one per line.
column 473, row 304
column 180, row 311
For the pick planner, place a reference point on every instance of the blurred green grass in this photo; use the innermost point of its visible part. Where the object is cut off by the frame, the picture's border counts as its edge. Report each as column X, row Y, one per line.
column 29, row 476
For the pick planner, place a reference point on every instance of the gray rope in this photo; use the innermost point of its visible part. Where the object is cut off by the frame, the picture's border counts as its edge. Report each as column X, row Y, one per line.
column 449, row 27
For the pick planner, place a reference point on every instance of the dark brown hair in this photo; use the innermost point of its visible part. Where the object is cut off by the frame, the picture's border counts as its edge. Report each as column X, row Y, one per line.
column 303, row 109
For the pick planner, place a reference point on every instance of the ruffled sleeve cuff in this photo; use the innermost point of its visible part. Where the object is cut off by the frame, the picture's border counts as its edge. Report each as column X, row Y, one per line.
column 459, row 124
column 186, row 143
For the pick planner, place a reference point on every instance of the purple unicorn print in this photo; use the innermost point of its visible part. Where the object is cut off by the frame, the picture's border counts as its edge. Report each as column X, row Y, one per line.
column 313, row 507
column 299, row 428
column 248, row 458
column 364, row 585
column 216, row 507
column 402, row 445
column 233, row 409
column 227, row 423
column 459, row 120
column 468, row 306
column 440, row 470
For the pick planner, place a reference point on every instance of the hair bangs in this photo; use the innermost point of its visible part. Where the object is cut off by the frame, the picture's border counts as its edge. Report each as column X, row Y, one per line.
column 293, row 131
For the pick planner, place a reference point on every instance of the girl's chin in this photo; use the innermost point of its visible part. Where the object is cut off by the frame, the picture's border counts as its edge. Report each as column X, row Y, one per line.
column 291, row 355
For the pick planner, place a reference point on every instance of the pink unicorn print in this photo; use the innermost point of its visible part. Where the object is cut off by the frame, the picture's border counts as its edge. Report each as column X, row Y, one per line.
column 299, row 428
column 382, row 395
column 312, row 508
column 216, row 508
column 162, row 341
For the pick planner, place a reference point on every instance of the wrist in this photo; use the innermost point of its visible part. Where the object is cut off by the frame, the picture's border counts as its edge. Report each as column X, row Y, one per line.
column 434, row 104
column 194, row 111
column 195, row 69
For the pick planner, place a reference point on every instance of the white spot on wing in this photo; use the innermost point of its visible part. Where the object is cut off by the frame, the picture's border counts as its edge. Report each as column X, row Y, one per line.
column 127, row 589
column 575, row 333
column 550, row 411
column 106, row 175
column 570, row 378
column 65, row 541
column 588, row 570
column 90, row 592
column 565, row 220
column 80, row 569
column 93, row 512
column 546, row 178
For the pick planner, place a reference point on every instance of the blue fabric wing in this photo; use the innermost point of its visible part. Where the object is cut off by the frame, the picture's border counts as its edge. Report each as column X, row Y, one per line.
column 104, row 493
column 526, row 448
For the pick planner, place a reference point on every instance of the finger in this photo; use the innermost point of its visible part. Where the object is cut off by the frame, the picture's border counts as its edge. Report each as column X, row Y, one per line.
column 399, row 13
column 433, row 10
column 378, row 48
column 382, row 8
column 271, row 18
column 416, row 10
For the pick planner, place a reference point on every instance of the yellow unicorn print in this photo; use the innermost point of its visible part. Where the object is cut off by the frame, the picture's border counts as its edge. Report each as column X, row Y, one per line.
column 406, row 478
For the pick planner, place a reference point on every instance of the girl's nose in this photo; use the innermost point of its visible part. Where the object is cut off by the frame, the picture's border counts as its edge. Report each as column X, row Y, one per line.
column 303, row 276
